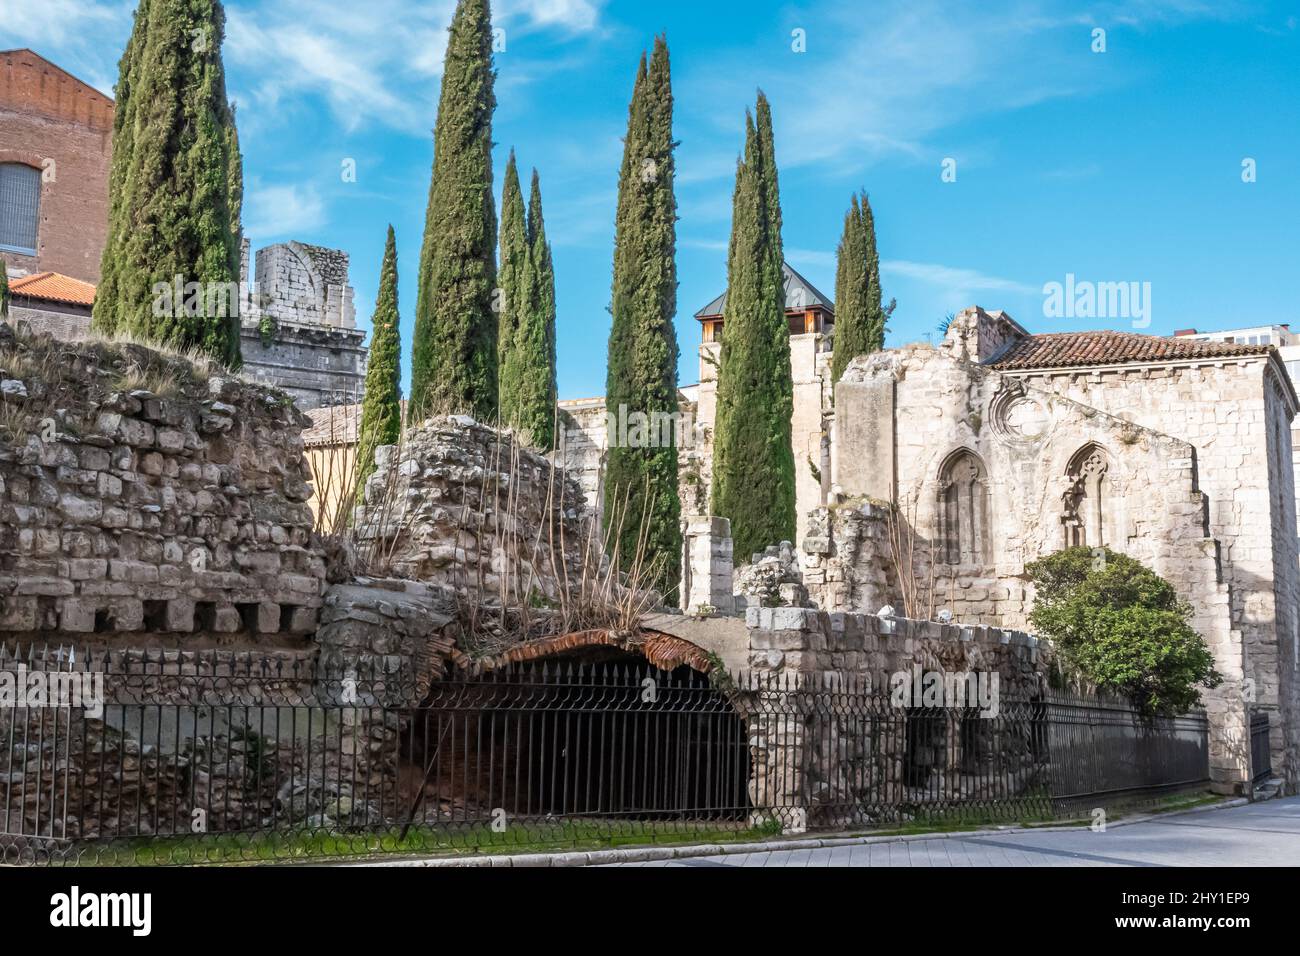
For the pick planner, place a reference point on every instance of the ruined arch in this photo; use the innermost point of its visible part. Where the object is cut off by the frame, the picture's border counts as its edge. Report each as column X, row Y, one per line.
column 1089, row 498
column 590, row 724
column 663, row 651
column 963, row 508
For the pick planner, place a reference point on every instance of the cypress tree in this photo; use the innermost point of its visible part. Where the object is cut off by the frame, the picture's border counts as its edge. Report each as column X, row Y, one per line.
column 174, row 185
column 4, row 292
column 381, row 409
column 772, row 196
column 534, row 348
column 878, row 313
column 513, row 282
column 123, row 137
column 859, row 315
column 454, row 356
column 753, row 459
column 641, row 482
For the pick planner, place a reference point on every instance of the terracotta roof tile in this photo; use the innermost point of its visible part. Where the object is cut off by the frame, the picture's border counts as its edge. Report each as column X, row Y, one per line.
column 1066, row 349
column 53, row 287
column 333, row 425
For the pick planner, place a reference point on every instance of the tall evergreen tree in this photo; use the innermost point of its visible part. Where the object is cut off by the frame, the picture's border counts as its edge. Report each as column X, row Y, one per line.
column 859, row 316
column 753, row 459
column 534, row 335
column 4, row 292
column 381, row 409
column 879, row 313
column 454, row 356
column 513, row 282
column 641, row 482
column 174, row 184
column 124, row 109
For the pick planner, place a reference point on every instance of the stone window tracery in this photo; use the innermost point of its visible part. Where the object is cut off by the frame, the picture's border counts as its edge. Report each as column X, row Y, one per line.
column 963, row 510
column 1087, row 499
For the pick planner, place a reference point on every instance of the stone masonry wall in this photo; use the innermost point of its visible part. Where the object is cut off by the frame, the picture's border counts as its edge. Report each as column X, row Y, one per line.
column 299, row 325
column 1022, row 453
column 140, row 494
column 848, row 562
column 67, row 323
column 461, row 505
column 829, row 762
column 1235, row 415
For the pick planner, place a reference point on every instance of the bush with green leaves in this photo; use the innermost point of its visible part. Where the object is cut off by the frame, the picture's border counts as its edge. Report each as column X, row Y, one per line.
column 1122, row 628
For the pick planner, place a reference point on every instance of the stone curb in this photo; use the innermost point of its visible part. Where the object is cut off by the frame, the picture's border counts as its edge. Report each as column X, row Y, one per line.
column 651, row 853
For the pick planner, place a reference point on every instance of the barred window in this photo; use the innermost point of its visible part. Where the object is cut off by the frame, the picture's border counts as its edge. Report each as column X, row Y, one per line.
column 20, row 200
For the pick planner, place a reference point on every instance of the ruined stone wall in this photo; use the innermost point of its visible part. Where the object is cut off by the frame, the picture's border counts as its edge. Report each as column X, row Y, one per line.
column 1017, row 449
column 304, row 284
column 142, row 495
column 990, row 473
column 870, row 647
column 299, row 324
column 843, row 749
column 706, row 565
column 317, row 365
column 200, row 742
column 848, row 562
column 810, row 372
column 462, row 505
column 582, row 445
column 585, row 433
column 1236, row 415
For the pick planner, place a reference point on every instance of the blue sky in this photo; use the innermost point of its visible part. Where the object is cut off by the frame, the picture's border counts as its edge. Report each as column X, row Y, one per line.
column 1117, row 166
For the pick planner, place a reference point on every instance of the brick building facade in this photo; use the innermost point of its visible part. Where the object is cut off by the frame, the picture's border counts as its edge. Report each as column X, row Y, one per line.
column 55, row 146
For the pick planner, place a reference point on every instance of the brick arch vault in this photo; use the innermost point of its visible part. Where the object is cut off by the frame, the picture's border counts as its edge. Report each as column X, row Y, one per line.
column 588, row 727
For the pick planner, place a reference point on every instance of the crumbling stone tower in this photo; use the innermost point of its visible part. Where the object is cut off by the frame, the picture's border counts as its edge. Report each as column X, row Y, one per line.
column 299, row 324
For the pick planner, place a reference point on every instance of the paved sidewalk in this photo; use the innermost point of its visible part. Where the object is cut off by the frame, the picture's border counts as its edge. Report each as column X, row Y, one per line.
column 1259, row 834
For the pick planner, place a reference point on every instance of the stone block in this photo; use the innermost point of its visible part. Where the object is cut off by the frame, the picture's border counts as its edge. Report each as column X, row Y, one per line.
column 226, row 620
column 179, row 616
column 303, row 620
column 77, row 616
column 268, row 618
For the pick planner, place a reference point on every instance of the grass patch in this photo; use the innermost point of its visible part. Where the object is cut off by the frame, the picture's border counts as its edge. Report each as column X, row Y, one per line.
column 322, row 845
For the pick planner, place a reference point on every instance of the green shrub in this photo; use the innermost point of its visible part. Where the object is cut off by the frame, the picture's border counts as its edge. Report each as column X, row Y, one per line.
column 1122, row 627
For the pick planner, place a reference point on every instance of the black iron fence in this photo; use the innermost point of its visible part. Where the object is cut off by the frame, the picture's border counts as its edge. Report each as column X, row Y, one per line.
column 194, row 762
column 1261, row 758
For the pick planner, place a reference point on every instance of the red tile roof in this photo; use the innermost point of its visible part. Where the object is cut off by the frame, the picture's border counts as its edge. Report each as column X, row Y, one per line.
column 1067, row 349
column 333, row 425
column 53, row 287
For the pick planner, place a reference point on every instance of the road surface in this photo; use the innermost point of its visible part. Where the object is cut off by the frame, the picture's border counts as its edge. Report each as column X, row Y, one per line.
column 1259, row 834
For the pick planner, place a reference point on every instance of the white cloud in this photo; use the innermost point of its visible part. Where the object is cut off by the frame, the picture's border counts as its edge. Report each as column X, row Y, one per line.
column 73, row 33
column 953, row 279
column 282, row 210
column 892, row 84
column 372, row 62
column 811, row 258
column 577, row 16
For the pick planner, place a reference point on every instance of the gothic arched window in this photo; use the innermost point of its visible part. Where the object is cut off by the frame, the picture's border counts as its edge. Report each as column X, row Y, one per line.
column 963, row 510
column 1087, row 498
